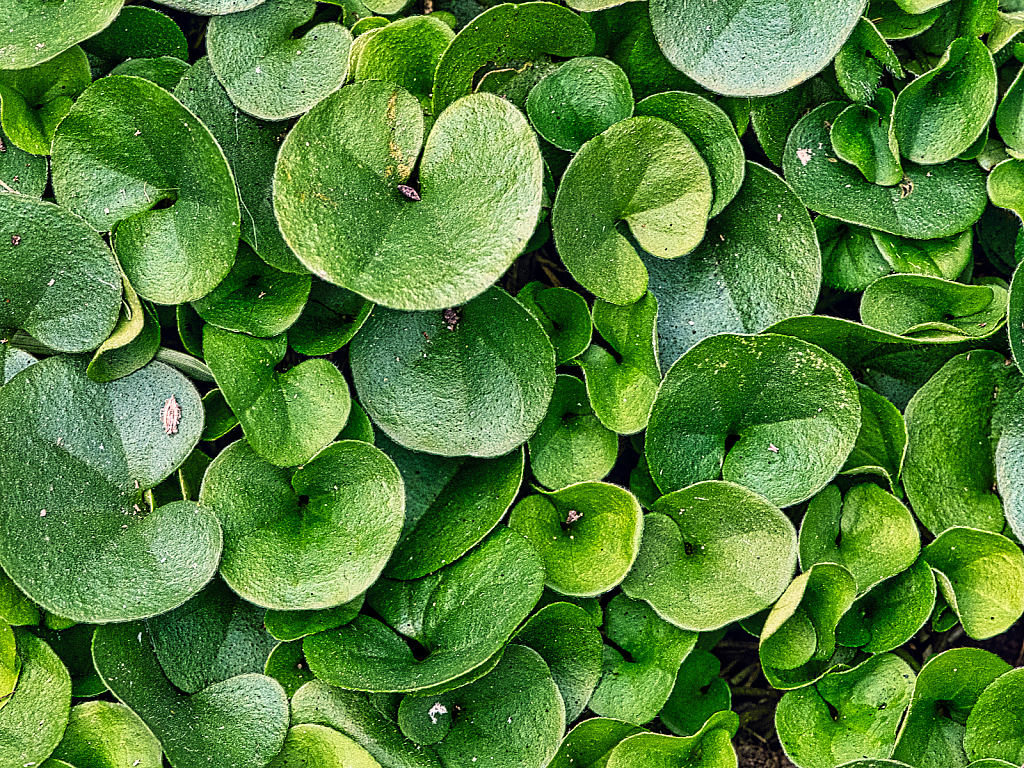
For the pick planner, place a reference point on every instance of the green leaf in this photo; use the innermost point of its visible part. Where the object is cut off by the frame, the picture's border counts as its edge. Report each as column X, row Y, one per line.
column 220, row 419
column 920, row 305
column 241, row 721
column 941, row 113
column 37, row 30
column 697, row 695
column 663, row 195
column 103, row 733
column 564, row 315
column 864, row 138
column 451, row 504
column 295, row 625
column 255, row 298
column 953, row 427
column 317, row 745
column 981, row 575
column 287, row 665
column 268, row 70
column 896, row 23
column 329, row 319
column 846, row 715
column 89, row 452
column 339, row 208
column 1010, row 115
column 462, row 615
column 774, row 117
column 506, row 33
column 622, row 383
column 15, row 607
column 711, row 747
column 73, row 644
column 711, row 554
column 210, row 7
column 865, row 530
column 127, row 145
column 580, row 99
column 753, row 49
column 61, row 283
column 712, row 133
column 567, row 638
column 587, row 534
column 10, row 663
column 635, row 687
column 991, row 727
column 891, row 612
column 1004, row 185
column 571, row 445
column 792, row 407
column 882, row 441
column 589, row 743
column 133, row 342
column 138, row 32
column 850, row 259
column 405, row 53
column 931, row 202
column 211, row 638
column 313, row 538
column 250, row 146
column 945, row 257
column 758, row 264
column 860, row 62
column 33, row 101
column 470, row 381
column 947, row 688
column 165, row 71
column 21, row 171
column 287, row 417
column 32, row 722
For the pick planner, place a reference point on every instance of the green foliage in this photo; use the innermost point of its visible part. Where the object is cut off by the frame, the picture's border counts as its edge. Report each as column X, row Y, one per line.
column 541, row 360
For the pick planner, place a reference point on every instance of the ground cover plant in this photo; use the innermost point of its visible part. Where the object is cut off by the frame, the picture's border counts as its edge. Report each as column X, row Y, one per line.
column 446, row 385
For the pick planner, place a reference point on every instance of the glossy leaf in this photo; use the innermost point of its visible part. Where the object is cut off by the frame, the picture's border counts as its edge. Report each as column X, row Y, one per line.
column 106, row 172
column 338, row 206
column 103, row 733
column 696, row 562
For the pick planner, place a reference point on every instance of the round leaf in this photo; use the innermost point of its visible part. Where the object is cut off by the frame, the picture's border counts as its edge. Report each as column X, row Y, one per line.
column 329, row 320
column 339, row 207
column 102, row 733
column 992, row 727
column 471, row 381
column 127, row 145
column 712, row 554
column 33, row 720
column 139, row 32
column 753, row 49
column 587, row 534
column 269, row 71
column 588, row 744
column 37, row 30
column 564, row 315
column 663, row 194
column 76, row 537
column 61, row 282
column 313, row 538
column 793, row 409
column 697, row 694
column 315, row 745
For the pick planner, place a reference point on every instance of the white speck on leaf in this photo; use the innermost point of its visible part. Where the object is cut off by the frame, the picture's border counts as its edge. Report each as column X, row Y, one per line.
column 804, row 156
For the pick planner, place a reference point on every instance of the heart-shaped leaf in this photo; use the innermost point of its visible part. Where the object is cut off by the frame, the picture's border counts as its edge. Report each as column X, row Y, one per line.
column 211, row 638
column 946, row 690
column 33, row 101
column 255, row 298
column 622, row 383
column 587, row 534
column 696, row 565
column 287, row 417
column 105, row 733
column 241, row 721
column 443, row 612
column 33, row 720
column 635, row 687
column 61, row 282
column 268, row 69
column 74, row 484
column 891, row 612
column 37, row 30
column 564, row 315
column 698, row 694
column 761, row 252
column 952, row 433
column 250, row 146
column 571, row 445
column 864, row 138
column 793, row 409
column 579, row 100
column 991, row 726
column 451, row 504
column 339, row 207
column 753, row 49
column 313, row 538
column 920, row 305
column 936, row 201
column 663, row 194
column 868, row 703
column 127, row 145
column 865, row 530
column 507, row 33
column 471, row 381
column 941, row 113
column 981, row 575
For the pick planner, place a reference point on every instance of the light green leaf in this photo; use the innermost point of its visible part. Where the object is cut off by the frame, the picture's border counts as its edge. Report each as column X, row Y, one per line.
column 944, row 257
column 697, row 695
column 882, row 441
column 992, row 730
column 920, row 305
column 564, row 315
column 711, row 747
column 32, row 722
column 37, row 30
column 863, row 137
column 589, row 743
column 322, row 747
column 103, row 733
